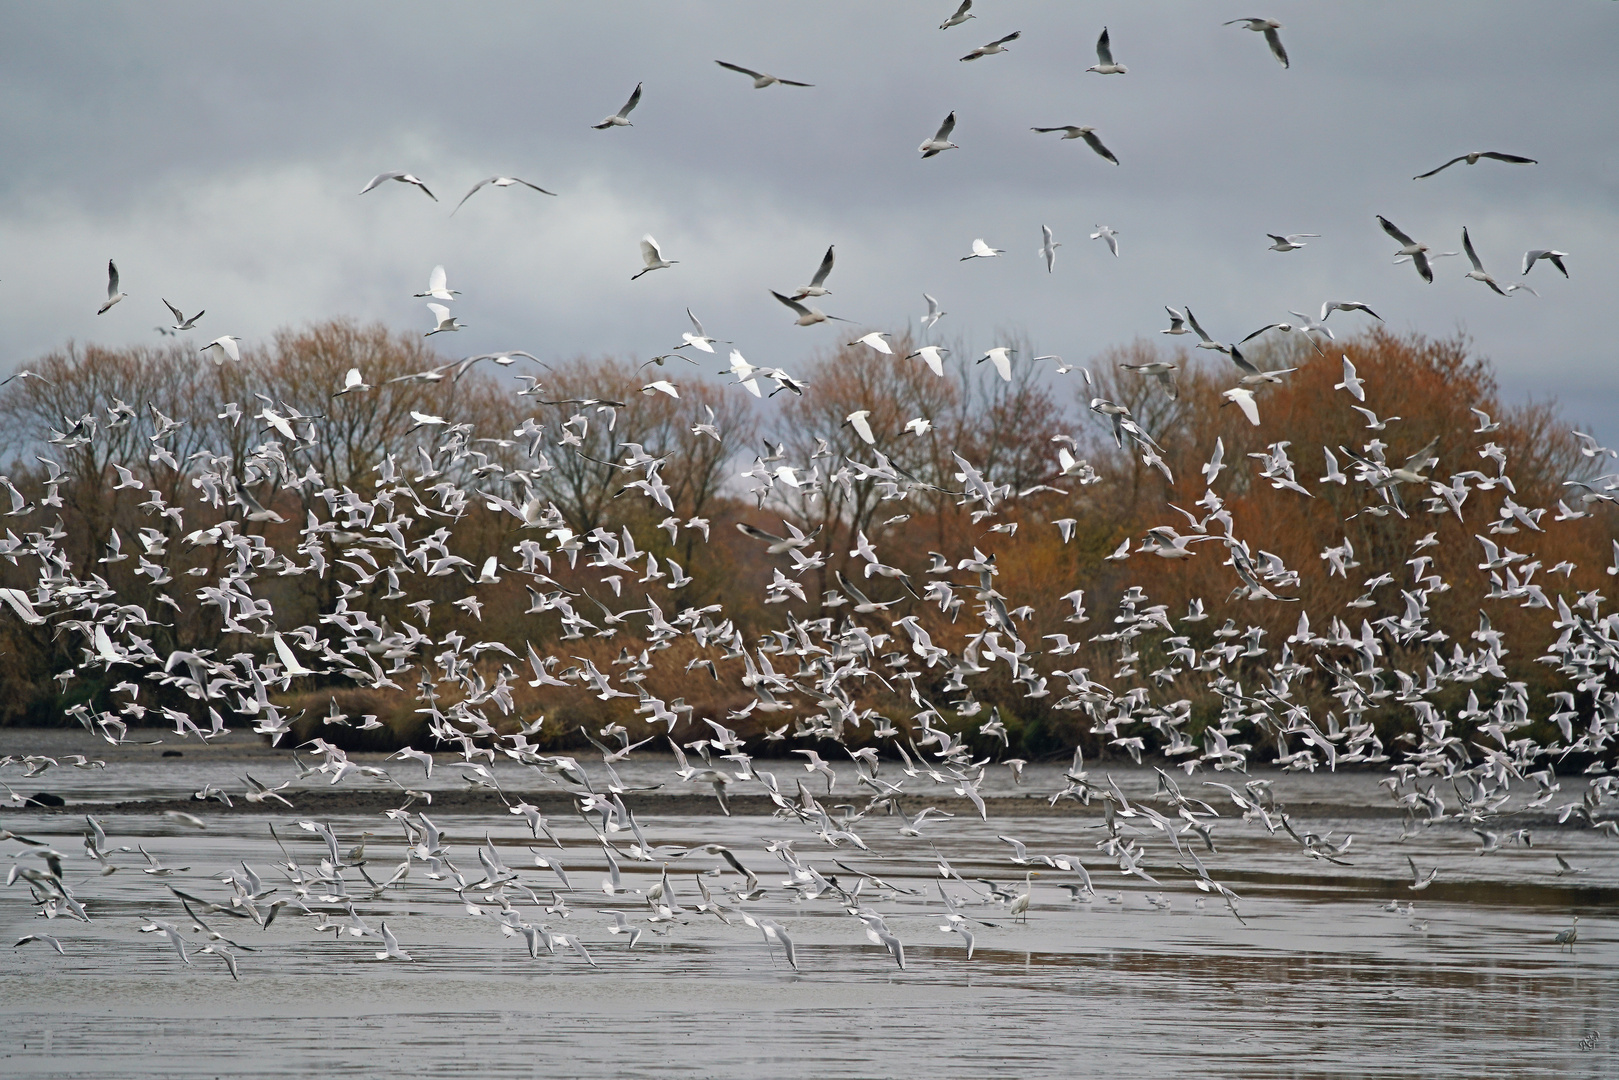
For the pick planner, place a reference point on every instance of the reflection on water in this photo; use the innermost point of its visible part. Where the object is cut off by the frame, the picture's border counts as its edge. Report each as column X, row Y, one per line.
column 1139, row 979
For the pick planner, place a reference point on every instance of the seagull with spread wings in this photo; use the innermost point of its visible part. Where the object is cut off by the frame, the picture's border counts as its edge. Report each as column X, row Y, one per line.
column 498, row 181
column 1072, row 131
column 114, row 294
column 760, row 79
column 1473, row 157
column 622, row 117
column 180, row 321
column 1268, row 27
column 1104, row 58
column 962, row 15
column 941, row 138
column 817, row 285
column 403, row 178
column 996, row 46
column 1418, row 253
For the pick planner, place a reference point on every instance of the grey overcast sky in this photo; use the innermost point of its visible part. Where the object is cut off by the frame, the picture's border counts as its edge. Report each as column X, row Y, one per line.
column 215, row 151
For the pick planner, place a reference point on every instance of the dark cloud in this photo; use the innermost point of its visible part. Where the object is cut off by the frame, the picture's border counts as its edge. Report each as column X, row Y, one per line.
column 216, row 152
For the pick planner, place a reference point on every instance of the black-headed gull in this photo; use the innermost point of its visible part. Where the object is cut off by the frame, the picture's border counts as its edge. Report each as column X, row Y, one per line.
column 1290, row 242
column 1418, row 253
column 1268, row 27
column 180, row 321
column 941, row 138
column 760, row 78
column 1534, row 255
column 403, row 178
column 1106, row 233
column 1328, row 307
column 498, row 181
column 1478, row 273
column 817, row 285
column 1048, row 248
column 1352, row 382
column 1473, row 159
column 621, row 118
column 698, row 340
column 1075, row 131
column 962, row 15
column 113, row 293
column 1104, row 58
column 807, row 316
column 996, row 46
column 1161, row 369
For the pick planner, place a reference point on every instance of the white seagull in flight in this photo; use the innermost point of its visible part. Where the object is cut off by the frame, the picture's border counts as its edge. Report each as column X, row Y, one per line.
column 113, row 294
column 760, row 78
column 498, row 181
column 1268, row 27
column 941, row 138
column 403, row 178
column 1071, row 131
column 621, row 118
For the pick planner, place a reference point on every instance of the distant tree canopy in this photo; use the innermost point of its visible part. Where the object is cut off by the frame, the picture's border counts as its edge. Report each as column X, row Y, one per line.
column 150, row 472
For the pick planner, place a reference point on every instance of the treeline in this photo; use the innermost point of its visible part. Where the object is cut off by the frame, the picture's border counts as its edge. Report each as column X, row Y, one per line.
column 137, row 460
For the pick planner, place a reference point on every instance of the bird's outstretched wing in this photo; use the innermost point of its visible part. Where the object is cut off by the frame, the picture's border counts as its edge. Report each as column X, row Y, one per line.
column 1393, row 229
column 1274, row 40
column 1472, row 256
column 826, row 268
column 1442, row 168
column 470, row 194
column 794, row 304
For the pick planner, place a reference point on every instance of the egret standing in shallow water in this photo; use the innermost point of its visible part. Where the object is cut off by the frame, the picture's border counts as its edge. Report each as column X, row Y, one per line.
column 1020, row 903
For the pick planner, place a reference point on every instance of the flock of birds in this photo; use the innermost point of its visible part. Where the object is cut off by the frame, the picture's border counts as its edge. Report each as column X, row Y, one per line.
column 810, row 673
